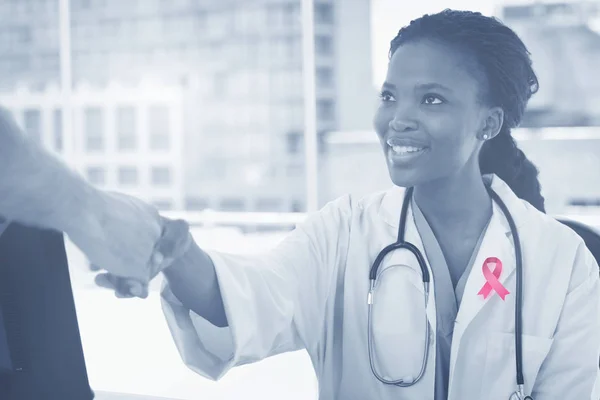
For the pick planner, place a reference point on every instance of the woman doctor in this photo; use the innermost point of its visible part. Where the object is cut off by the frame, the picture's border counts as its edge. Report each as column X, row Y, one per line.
column 457, row 83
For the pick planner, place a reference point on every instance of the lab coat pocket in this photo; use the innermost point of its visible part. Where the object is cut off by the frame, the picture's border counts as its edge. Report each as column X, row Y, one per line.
column 499, row 379
column 398, row 323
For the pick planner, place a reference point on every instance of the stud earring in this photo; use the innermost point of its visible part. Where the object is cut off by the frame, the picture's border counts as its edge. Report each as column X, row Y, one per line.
column 485, row 137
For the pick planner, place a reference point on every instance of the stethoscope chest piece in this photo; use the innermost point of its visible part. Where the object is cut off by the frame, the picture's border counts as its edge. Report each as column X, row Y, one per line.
column 519, row 395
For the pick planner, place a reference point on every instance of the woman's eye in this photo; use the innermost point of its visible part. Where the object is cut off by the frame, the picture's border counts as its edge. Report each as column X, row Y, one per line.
column 386, row 96
column 432, row 100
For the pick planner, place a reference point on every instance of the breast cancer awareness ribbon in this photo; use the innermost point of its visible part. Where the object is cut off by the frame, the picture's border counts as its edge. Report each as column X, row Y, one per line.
column 491, row 278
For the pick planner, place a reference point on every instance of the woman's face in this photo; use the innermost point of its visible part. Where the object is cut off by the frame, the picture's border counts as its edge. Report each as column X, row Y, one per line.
column 429, row 120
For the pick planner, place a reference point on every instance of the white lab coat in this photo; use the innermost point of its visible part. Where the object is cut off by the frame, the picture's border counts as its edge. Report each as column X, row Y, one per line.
column 310, row 293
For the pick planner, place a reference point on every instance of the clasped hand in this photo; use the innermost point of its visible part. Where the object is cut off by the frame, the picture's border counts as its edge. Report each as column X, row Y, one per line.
column 165, row 252
column 131, row 241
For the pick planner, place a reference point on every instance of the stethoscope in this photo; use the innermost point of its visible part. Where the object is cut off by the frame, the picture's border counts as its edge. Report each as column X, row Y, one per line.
column 400, row 243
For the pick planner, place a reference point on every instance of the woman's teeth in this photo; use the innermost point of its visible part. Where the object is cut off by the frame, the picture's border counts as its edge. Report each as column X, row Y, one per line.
column 406, row 149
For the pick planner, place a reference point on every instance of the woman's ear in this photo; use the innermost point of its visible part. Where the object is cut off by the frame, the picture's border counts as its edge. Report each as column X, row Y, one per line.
column 492, row 124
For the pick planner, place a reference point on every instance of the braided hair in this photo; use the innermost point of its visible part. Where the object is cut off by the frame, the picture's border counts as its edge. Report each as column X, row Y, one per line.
column 503, row 67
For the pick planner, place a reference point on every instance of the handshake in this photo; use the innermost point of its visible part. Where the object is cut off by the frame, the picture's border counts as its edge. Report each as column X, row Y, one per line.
column 118, row 233
column 130, row 241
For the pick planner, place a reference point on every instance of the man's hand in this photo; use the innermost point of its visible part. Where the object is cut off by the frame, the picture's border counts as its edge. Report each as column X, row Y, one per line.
column 115, row 231
column 174, row 242
column 119, row 235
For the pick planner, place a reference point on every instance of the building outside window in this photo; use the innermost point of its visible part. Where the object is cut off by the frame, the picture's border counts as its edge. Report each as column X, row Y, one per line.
column 196, row 204
column 96, row 175
column 128, row 176
column 163, row 204
column 33, row 124
column 161, row 176
column 58, row 130
column 232, row 204
column 323, row 45
column 323, row 13
column 324, row 77
column 158, row 126
column 126, row 129
column 325, row 109
column 93, row 129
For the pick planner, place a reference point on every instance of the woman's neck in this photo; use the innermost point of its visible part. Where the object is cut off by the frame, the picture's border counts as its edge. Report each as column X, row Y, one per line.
column 458, row 202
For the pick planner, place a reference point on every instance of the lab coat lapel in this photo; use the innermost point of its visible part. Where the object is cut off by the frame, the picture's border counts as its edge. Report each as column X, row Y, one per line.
column 496, row 243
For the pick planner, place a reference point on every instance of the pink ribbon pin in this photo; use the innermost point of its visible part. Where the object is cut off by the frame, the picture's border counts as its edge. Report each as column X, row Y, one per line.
column 492, row 278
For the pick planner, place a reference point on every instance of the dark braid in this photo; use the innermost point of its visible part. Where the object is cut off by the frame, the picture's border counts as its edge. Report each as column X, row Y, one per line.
column 503, row 65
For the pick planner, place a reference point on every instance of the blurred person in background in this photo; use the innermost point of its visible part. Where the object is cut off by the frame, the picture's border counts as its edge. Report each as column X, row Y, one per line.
column 457, row 83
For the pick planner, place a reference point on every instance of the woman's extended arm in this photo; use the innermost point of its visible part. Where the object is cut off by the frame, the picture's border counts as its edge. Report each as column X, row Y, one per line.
column 226, row 310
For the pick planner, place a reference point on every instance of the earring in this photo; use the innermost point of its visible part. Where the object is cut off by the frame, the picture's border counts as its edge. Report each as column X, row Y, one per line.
column 485, row 137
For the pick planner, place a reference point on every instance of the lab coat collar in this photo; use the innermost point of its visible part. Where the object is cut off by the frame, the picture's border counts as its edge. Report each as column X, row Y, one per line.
column 393, row 199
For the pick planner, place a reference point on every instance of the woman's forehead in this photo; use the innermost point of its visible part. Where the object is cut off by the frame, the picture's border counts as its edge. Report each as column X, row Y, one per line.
column 428, row 62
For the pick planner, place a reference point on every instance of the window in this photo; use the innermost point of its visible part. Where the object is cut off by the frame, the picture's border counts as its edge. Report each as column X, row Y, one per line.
column 323, row 45
column 126, row 133
column 128, row 176
column 324, row 76
column 297, row 206
column 269, row 205
column 294, row 170
column 84, row 4
column 293, row 49
column 58, row 130
column 96, row 175
column 196, row 204
column 21, row 35
column 33, row 124
column 293, row 142
column 232, row 204
column 159, row 128
column 325, row 110
column 94, row 129
column 322, row 142
column 323, row 13
column 291, row 15
column 220, row 84
column 161, row 176
column 163, row 204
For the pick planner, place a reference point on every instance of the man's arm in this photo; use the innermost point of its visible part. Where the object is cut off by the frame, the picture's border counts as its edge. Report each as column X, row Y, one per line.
column 115, row 231
column 36, row 188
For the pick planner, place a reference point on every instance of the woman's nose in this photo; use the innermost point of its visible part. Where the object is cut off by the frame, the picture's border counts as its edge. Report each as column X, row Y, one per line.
column 400, row 124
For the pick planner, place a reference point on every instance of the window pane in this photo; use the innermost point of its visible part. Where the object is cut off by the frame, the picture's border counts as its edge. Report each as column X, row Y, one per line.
column 323, row 45
column 96, row 175
column 232, row 204
column 269, row 205
column 323, row 13
column 33, row 122
column 159, row 128
column 325, row 110
column 94, row 130
column 293, row 142
column 58, row 130
column 161, row 176
column 126, row 132
column 163, row 204
column 196, row 204
column 324, row 76
column 128, row 176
